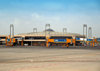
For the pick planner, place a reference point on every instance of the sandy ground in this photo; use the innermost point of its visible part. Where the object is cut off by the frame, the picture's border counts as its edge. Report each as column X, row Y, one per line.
column 49, row 59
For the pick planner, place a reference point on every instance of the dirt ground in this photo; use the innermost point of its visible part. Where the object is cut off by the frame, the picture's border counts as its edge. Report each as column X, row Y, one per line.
column 49, row 59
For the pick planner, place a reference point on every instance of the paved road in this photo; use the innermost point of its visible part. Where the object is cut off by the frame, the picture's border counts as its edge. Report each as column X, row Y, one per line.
column 49, row 59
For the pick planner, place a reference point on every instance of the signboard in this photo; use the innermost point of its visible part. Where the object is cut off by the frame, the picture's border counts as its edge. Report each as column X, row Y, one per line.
column 98, row 39
column 84, row 39
column 77, row 38
column 19, row 38
column 8, row 40
column 89, row 39
column 60, row 40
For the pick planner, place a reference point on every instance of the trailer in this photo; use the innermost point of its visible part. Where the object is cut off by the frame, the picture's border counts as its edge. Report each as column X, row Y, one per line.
column 62, row 42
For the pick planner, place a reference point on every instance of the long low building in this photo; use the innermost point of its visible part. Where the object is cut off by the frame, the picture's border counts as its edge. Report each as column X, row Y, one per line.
column 2, row 39
column 39, row 38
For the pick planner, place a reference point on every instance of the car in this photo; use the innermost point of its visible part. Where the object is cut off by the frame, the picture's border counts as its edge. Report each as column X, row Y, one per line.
column 25, row 44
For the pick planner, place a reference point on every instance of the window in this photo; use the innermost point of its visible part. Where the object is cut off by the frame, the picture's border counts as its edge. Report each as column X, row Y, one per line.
column 59, row 37
column 31, row 38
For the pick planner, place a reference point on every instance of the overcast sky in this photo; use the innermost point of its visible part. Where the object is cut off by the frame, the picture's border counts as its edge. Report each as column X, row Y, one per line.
column 29, row 14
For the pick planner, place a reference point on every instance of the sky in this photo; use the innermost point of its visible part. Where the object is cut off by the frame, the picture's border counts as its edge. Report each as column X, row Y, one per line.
column 29, row 14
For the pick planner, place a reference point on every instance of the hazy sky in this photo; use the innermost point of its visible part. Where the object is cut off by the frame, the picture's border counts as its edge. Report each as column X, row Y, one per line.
column 29, row 14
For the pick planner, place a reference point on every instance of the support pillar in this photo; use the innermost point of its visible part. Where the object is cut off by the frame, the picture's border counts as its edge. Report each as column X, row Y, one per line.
column 74, row 41
column 22, row 42
column 47, row 44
